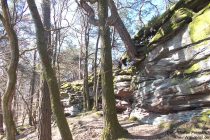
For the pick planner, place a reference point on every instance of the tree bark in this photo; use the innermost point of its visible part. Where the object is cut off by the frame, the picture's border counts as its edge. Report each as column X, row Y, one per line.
column 49, row 73
column 12, row 72
column 112, row 129
column 1, row 117
column 86, row 87
column 97, row 89
column 95, row 74
column 32, row 89
column 80, row 62
column 45, row 112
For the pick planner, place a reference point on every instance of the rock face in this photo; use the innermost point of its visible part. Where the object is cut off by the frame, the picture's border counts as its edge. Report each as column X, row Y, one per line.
column 123, row 92
column 174, row 76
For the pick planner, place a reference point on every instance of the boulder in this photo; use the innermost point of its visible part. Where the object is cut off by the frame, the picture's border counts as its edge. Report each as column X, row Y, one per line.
column 122, row 105
column 124, row 84
column 73, row 110
column 122, row 78
column 124, row 94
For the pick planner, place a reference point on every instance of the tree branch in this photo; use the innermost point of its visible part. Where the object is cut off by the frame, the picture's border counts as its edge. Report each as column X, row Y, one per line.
column 113, row 20
column 3, row 37
column 2, row 18
column 89, row 10
column 27, row 50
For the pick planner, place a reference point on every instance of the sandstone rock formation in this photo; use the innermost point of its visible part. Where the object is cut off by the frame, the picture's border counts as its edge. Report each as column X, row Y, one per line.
column 174, row 76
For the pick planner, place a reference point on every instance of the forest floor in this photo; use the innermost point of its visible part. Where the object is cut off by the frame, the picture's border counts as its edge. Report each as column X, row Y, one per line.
column 89, row 126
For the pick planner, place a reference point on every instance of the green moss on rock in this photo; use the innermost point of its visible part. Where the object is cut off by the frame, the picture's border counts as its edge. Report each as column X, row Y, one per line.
column 65, row 85
column 181, row 14
column 133, row 119
column 180, row 17
column 197, row 124
column 197, row 66
column 165, row 125
column 193, row 68
column 200, row 26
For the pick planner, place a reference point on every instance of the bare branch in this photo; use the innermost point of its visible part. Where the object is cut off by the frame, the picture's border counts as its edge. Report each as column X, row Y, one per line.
column 27, row 50
column 3, row 37
column 2, row 18
column 90, row 12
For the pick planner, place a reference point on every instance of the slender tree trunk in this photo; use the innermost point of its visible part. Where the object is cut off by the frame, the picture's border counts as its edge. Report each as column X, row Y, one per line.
column 45, row 108
column 32, row 89
column 97, row 89
column 14, row 108
column 17, row 110
column 58, row 57
column 95, row 75
column 23, row 116
column 36, row 112
column 12, row 72
column 49, row 73
column 26, row 105
column 112, row 129
column 86, row 87
column 80, row 61
column 1, row 118
column 45, row 112
column 55, row 48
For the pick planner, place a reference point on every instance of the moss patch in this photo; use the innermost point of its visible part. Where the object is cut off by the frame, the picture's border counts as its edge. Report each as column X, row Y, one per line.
column 65, row 85
column 200, row 26
column 133, row 119
column 193, row 68
column 197, row 66
column 180, row 17
column 181, row 14
column 165, row 125
column 198, row 124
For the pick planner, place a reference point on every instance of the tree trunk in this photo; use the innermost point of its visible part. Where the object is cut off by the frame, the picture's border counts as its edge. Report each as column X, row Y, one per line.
column 112, row 129
column 32, row 89
column 12, row 72
column 45, row 108
column 117, row 22
column 95, row 75
column 45, row 112
column 97, row 89
column 14, row 111
column 49, row 73
column 86, row 87
column 1, row 118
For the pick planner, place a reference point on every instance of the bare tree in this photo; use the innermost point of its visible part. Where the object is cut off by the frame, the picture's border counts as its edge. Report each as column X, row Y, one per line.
column 32, row 90
column 112, row 128
column 49, row 73
column 86, row 86
column 95, row 75
column 45, row 108
column 1, row 115
column 11, row 71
